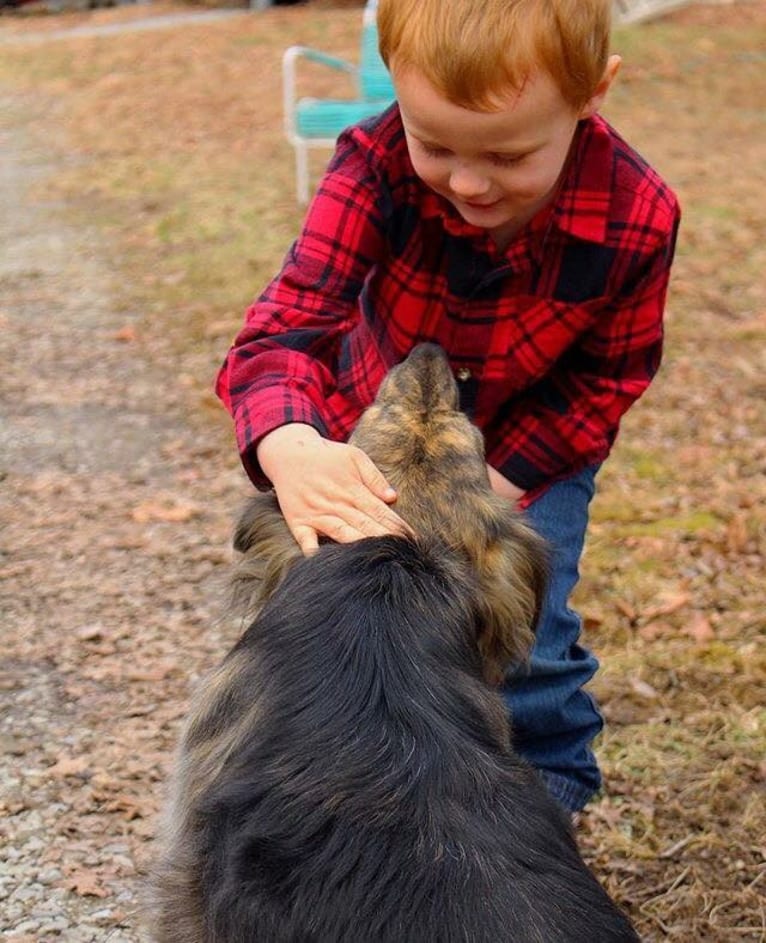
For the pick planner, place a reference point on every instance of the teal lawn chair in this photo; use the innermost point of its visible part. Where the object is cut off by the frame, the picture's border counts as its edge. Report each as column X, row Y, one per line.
column 317, row 122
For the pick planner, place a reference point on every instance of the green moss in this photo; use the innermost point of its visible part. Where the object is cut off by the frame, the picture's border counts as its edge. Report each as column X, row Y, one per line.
column 695, row 522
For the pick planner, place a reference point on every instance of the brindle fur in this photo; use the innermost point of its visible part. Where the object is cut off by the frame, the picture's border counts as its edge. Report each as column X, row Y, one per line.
column 434, row 457
column 347, row 773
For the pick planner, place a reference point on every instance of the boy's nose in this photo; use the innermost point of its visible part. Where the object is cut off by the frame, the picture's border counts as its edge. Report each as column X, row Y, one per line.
column 467, row 183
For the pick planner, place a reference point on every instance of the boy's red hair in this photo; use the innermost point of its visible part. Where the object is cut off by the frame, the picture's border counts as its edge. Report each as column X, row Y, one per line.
column 472, row 51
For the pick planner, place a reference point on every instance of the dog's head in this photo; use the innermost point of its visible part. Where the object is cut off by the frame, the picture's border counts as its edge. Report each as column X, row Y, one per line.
column 434, row 457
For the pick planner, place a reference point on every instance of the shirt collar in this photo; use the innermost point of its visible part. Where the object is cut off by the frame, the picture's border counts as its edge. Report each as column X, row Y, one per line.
column 582, row 206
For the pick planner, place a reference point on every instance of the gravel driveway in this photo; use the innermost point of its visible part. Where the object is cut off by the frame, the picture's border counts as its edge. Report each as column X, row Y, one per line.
column 114, row 525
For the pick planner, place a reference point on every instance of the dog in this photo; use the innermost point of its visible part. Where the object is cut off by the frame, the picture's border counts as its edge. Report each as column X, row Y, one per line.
column 347, row 773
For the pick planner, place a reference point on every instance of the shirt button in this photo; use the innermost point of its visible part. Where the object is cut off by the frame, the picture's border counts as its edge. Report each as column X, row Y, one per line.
column 463, row 374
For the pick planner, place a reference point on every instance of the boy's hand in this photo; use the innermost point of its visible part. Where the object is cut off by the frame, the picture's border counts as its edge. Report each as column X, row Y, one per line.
column 327, row 488
column 501, row 486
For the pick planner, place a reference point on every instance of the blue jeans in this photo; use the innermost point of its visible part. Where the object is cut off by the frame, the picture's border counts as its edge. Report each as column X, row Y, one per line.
column 554, row 720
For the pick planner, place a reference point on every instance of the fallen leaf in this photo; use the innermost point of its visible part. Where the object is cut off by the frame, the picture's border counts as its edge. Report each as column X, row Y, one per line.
column 592, row 621
column 736, row 534
column 68, row 766
column 86, row 884
column 626, row 609
column 654, row 630
column 165, row 512
column 129, row 807
column 155, row 672
column 643, row 689
column 699, row 628
column 668, row 604
column 125, row 334
column 90, row 633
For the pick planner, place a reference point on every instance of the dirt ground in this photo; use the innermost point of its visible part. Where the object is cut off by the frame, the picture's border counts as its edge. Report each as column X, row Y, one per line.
column 119, row 483
column 115, row 524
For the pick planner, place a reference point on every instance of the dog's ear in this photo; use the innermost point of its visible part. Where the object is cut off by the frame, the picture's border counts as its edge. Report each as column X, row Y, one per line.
column 513, row 577
column 268, row 551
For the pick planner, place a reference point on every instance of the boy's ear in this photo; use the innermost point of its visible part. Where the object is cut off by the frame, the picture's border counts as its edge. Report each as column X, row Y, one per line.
column 597, row 98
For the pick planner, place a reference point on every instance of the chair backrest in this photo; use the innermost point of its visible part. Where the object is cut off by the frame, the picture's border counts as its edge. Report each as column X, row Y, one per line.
column 374, row 79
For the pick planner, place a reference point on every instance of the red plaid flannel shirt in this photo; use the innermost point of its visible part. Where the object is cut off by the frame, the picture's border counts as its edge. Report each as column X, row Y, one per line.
column 551, row 340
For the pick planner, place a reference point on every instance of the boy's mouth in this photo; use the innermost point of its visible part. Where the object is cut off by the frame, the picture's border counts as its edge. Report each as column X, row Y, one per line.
column 480, row 206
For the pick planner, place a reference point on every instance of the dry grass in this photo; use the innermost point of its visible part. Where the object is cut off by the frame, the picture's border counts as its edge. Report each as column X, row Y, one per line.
column 172, row 141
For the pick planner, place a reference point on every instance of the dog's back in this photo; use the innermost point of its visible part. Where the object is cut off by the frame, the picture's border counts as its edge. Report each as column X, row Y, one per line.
column 375, row 795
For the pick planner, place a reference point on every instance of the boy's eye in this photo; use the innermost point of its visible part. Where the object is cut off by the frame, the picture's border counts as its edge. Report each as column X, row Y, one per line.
column 433, row 150
column 506, row 160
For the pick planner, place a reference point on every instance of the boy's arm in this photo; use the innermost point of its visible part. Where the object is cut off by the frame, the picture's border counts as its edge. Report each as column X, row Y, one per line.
column 281, row 367
column 570, row 419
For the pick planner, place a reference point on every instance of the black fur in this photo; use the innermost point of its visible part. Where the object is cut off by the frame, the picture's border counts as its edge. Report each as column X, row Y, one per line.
column 378, row 797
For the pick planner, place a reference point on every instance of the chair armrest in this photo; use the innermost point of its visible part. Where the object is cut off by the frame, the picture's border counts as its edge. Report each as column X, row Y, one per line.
column 289, row 59
column 314, row 55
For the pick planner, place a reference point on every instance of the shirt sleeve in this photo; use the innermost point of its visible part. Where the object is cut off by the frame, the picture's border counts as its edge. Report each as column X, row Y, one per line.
column 570, row 419
column 283, row 364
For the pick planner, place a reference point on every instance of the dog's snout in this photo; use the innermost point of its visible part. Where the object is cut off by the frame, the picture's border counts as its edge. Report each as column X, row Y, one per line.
column 427, row 353
column 428, row 367
column 429, row 359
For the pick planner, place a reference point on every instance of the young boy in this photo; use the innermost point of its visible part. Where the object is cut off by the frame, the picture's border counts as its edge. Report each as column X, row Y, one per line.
column 492, row 211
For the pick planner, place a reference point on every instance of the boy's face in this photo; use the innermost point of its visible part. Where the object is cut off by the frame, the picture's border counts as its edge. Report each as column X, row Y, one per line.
column 496, row 168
